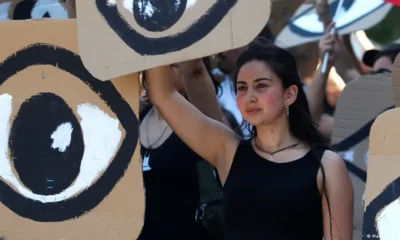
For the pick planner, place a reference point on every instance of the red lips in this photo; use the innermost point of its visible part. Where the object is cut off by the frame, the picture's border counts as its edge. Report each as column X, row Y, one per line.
column 252, row 111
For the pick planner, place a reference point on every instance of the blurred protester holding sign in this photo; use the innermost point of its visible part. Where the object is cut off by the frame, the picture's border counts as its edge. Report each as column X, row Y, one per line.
column 170, row 168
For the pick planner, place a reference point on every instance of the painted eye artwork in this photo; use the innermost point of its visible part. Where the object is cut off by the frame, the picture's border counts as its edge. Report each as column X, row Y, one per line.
column 60, row 155
column 158, row 16
column 382, row 215
column 307, row 23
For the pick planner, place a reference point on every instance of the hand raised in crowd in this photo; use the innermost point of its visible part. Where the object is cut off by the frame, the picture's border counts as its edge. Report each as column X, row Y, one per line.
column 329, row 43
column 191, row 67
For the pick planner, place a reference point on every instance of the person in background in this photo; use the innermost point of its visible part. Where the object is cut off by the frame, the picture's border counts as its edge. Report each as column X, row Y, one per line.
column 380, row 61
column 283, row 182
column 169, row 165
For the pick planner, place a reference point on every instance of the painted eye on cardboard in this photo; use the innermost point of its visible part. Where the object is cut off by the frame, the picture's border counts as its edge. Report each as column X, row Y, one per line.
column 381, row 217
column 60, row 158
column 156, row 16
column 352, row 11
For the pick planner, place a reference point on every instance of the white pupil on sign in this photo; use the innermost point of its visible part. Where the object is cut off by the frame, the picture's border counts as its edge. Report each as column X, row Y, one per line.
column 62, row 137
column 101, row 137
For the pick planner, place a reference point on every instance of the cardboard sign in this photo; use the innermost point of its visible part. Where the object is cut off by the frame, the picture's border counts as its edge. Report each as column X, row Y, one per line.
column 361, row 101
column 118, row 37
column 69, row 160
column 382, row 197
column 305, row 26
column 33, row 9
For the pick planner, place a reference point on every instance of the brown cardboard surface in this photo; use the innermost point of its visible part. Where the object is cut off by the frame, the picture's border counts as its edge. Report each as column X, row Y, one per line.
column 382, row 195
column 111, row 205
column 383, row 191
column 360, row 102
column 106, row 55
column 292, row 36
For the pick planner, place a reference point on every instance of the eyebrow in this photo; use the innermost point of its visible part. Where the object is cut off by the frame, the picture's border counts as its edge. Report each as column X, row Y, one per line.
column 255, row 80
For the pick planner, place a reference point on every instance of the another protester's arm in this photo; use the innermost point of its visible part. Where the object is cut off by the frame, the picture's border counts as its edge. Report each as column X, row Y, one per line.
column 316, row 90
column 209, row 138
column 347, row 65
column 325, row 125
column 200, row 89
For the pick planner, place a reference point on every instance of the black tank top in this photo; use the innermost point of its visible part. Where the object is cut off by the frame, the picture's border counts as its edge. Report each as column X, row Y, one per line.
column 274, row 201
column 171, row 192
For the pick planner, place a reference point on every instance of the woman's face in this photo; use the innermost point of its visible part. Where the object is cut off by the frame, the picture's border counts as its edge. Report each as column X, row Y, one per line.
column 260, row 94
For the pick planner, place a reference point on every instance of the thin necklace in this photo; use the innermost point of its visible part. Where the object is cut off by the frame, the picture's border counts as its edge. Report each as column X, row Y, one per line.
column 150, row 146
column 146, row 157
column 279, row 150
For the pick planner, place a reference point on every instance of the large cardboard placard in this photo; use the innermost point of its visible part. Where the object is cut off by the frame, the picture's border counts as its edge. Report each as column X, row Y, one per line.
column 69, row 159
column 382, row 197
column 119, row 37
column 361, row 101
column 305, row 25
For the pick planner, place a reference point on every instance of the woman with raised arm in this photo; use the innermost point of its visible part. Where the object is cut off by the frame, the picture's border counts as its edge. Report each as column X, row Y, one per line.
column 169, row 165
column 282, row 183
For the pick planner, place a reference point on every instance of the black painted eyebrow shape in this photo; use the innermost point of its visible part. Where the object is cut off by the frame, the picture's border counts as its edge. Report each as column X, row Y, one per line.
column 158, row 46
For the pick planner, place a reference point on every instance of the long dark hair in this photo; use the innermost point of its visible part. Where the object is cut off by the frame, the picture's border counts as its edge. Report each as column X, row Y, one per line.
column 284, row 65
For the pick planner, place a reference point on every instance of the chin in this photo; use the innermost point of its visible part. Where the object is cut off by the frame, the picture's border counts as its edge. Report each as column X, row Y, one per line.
column 255, row 121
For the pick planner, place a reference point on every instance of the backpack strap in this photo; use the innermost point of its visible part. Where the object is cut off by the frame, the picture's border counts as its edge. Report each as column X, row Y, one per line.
column 209, row 213
column 209, row 188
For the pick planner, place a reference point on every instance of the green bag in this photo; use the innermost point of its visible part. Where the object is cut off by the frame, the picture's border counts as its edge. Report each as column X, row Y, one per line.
column 209, row 213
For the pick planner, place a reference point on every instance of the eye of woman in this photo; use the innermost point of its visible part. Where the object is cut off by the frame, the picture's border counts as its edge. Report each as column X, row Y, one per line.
column 262, row 85
column 240, row 88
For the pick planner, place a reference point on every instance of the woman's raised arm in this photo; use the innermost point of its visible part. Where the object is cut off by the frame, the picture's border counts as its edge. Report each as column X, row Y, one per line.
column 209, row 138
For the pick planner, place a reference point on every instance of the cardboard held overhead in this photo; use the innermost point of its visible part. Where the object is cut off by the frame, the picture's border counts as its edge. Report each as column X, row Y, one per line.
column 69, row 157
column 382, row 197
column 361, row 101
column 305, row 25
column 32, row 9
column 120, row 37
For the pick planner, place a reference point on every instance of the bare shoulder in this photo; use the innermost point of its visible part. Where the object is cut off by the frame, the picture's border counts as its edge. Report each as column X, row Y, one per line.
column 332, row 160
column 335, row 170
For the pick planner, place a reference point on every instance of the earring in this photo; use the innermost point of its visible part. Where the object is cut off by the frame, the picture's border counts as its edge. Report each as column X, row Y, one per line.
column 287, row 109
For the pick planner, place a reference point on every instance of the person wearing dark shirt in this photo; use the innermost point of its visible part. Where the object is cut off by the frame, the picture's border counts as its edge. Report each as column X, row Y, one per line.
column 283, row 183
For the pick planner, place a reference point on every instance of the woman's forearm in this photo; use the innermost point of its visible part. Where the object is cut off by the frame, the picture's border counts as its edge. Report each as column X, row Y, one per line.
column 160, row 84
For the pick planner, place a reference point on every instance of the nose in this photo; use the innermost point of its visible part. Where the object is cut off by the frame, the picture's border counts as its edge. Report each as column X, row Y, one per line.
column 250, row 96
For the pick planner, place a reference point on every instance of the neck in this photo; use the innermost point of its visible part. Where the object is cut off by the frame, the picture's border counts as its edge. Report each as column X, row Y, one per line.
column 273, row 137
